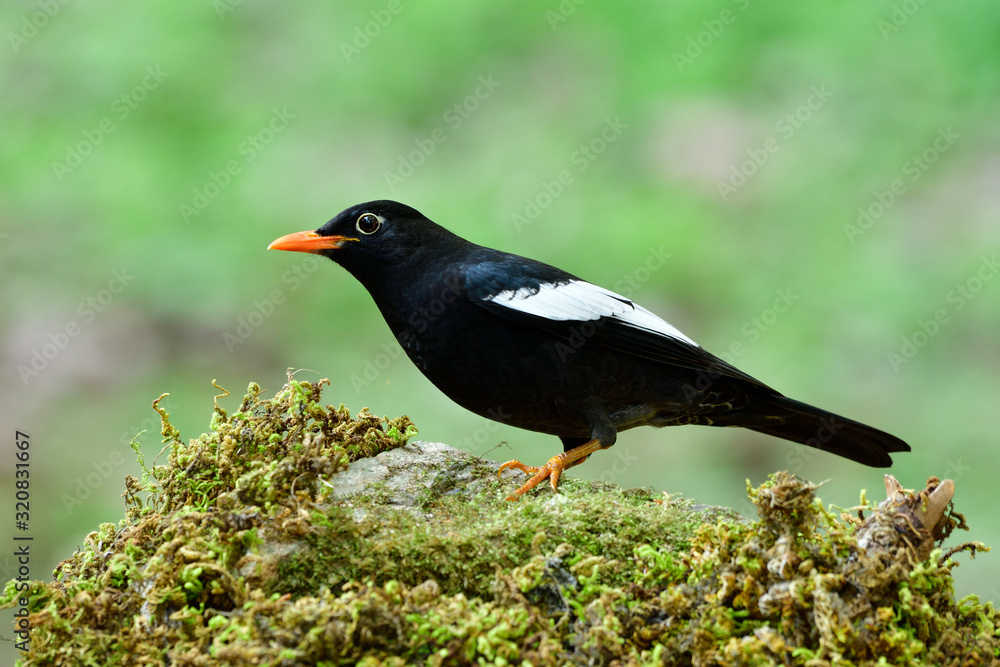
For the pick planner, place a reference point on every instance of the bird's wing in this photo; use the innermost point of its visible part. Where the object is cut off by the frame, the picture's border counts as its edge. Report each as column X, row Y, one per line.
column 585, row 314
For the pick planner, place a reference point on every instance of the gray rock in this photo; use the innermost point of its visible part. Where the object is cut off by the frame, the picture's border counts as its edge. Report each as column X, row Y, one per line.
column 406, row 476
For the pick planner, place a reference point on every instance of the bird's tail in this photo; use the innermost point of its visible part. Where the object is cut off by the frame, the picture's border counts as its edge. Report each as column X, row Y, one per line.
column 799, row 422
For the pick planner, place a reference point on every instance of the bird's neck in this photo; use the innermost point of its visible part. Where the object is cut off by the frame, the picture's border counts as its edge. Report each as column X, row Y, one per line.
column 412, row 288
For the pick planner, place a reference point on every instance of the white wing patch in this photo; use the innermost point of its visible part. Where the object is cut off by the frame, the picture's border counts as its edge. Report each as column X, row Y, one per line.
column 581, row 301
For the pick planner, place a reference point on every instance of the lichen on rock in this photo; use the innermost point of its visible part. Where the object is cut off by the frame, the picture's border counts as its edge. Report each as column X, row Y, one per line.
column 294, row 534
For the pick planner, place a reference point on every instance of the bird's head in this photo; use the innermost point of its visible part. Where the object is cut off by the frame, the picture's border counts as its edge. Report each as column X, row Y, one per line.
column 371, row 225
column 370, row 238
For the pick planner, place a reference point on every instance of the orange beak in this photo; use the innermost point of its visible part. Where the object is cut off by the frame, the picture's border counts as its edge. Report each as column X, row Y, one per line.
column 308, row 242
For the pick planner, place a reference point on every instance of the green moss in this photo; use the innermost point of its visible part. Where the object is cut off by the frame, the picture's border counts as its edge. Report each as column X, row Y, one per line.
column 240, row 549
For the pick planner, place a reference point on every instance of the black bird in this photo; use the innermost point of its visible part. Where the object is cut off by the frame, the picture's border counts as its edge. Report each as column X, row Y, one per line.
column 530, row 345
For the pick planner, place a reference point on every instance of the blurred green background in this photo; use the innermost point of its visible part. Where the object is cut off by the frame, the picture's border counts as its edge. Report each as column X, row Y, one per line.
column 805, row 190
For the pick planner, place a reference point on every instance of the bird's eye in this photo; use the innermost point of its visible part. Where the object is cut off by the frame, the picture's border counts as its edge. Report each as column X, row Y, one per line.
column 368, row 223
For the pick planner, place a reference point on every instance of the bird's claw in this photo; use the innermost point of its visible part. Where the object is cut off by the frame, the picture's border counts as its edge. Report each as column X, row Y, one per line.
column 527, row 470
column 551, row 470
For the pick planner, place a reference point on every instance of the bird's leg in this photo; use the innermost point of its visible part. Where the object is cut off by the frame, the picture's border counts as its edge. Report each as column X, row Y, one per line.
column 553, row 469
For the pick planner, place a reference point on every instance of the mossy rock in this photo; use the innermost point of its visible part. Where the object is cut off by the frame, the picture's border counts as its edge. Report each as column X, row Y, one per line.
column 294, row 534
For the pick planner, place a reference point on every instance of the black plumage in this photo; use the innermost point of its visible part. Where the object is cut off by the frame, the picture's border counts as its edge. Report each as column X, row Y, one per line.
column 527, row 344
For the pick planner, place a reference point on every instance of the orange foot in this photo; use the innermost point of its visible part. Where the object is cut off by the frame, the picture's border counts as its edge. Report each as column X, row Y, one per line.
column 553, row 469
